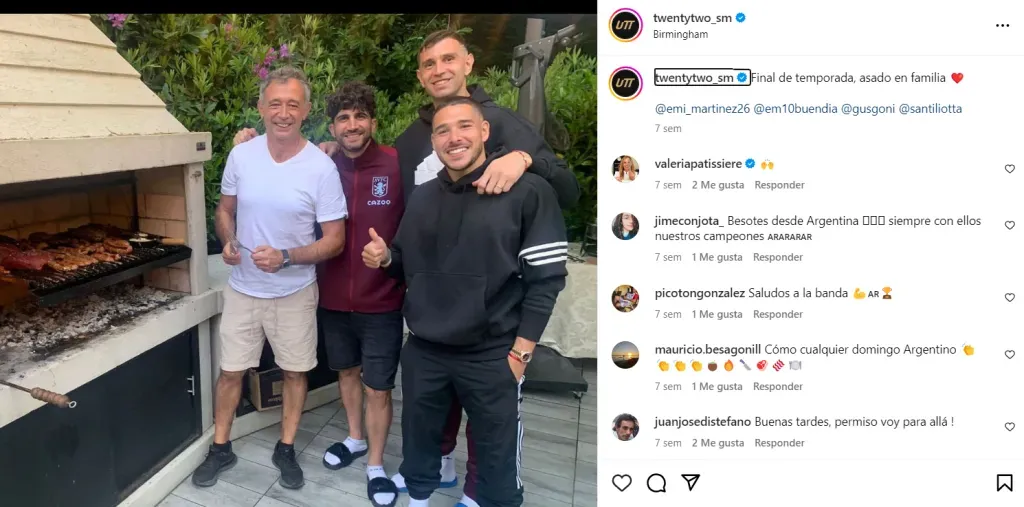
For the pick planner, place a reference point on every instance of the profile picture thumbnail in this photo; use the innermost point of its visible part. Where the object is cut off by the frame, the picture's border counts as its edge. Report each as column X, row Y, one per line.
column 625, row 169
column 625, row 226
column 626, row 427
column 625, row 355
column 625, row 83
column 625, row 298
column 625, row 25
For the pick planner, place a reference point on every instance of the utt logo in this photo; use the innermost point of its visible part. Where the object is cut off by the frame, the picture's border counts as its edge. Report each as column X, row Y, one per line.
column 625, row 25
column 625, row 83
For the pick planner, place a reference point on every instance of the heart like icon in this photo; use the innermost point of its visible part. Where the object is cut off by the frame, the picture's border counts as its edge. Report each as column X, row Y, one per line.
column 1010, row 426
column 622, row 481
column 1009, row 168
column 1010, row 224
column 957, row 77
column 1010, row 354
column 1009, row 296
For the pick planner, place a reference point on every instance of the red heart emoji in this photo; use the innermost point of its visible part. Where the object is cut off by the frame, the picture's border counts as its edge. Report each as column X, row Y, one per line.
column 957, row 76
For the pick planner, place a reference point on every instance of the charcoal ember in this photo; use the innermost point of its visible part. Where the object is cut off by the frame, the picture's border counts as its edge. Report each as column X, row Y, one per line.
column 46, row 330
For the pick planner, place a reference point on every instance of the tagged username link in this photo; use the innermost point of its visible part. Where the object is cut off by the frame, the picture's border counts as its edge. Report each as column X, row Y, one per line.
column 795, row 108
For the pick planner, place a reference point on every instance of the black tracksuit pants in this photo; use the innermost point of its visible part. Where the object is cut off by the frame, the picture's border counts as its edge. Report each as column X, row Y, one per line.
column 491, row 395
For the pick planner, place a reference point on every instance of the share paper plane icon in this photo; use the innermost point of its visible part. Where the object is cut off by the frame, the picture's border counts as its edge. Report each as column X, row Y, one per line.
column 691, row 480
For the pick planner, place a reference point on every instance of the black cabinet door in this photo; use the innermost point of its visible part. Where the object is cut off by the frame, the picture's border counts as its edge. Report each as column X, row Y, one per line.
column 55, row 457
column 128, row 423
column 155, row 415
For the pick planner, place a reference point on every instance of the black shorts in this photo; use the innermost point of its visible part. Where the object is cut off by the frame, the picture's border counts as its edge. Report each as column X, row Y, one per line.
column 370, row 340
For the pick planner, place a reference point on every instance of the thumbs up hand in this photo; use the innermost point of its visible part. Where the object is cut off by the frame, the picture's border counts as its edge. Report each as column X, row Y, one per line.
column 376, row 251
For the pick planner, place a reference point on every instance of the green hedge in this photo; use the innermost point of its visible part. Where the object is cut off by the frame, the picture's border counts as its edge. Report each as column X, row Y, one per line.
column 206, row 69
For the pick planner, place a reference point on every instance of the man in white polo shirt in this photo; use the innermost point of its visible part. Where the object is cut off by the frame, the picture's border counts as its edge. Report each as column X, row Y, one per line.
column 273, row 191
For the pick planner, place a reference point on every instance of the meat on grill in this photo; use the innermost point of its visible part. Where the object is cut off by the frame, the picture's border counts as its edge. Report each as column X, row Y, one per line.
column 74, row 258
column 7, row 249
column 103, row 256
column 117, row 246
column 61, row 264
column 65, row 241
column 25, row 245
column 92, row 233
column 32, row 260
column 65, row 252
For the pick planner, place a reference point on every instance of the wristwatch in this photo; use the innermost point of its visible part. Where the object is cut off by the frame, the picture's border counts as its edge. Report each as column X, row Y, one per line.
column 523, row 357
column 287, row 260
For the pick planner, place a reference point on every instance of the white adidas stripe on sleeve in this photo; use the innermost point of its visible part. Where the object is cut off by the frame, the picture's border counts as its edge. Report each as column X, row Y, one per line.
column 545, row 254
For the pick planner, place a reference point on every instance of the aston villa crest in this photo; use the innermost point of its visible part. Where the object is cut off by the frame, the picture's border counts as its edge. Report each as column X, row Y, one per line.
column 379, row 187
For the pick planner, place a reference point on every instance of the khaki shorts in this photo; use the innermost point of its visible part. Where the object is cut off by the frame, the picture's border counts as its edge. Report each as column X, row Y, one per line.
column 289, row 323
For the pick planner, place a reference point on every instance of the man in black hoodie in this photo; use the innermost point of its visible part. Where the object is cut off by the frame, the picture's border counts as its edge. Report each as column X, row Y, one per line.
column 483, row 273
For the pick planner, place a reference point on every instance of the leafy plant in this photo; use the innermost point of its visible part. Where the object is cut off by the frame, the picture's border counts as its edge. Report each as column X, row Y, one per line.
column 207, row 68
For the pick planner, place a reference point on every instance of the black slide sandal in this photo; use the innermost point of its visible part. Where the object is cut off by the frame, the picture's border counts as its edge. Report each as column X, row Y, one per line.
column 345, row 456
column 381, row 485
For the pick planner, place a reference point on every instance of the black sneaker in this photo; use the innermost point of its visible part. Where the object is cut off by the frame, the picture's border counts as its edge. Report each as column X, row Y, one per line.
column 284, row 460
column 217, row 461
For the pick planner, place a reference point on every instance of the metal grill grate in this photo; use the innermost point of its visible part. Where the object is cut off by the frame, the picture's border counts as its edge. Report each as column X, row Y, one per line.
column 52, row 287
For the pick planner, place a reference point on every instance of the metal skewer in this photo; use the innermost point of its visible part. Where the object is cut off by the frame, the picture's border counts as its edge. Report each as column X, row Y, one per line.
column 238, row 245
column 41, row 394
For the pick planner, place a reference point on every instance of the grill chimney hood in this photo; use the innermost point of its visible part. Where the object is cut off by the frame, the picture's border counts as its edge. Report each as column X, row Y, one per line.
column 71, row 105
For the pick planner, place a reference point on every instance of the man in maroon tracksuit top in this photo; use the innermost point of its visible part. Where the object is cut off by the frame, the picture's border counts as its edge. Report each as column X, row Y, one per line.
column 360, row 308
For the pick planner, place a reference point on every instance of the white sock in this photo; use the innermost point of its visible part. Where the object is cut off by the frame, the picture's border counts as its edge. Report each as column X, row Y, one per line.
column 372, row 472
column 398, row 480
column 419, row 503
column 468, row 502
column 355, row 445
column 448, row 468
column 352, row 445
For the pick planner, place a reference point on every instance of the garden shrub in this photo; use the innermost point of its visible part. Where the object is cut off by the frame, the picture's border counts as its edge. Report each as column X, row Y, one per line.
column 207, row 69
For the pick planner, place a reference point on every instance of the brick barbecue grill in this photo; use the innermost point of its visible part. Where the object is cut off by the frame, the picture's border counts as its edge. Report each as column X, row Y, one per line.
column 86, row 145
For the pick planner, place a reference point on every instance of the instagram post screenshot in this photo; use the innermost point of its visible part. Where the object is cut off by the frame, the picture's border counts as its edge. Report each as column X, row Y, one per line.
column 351, row 258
